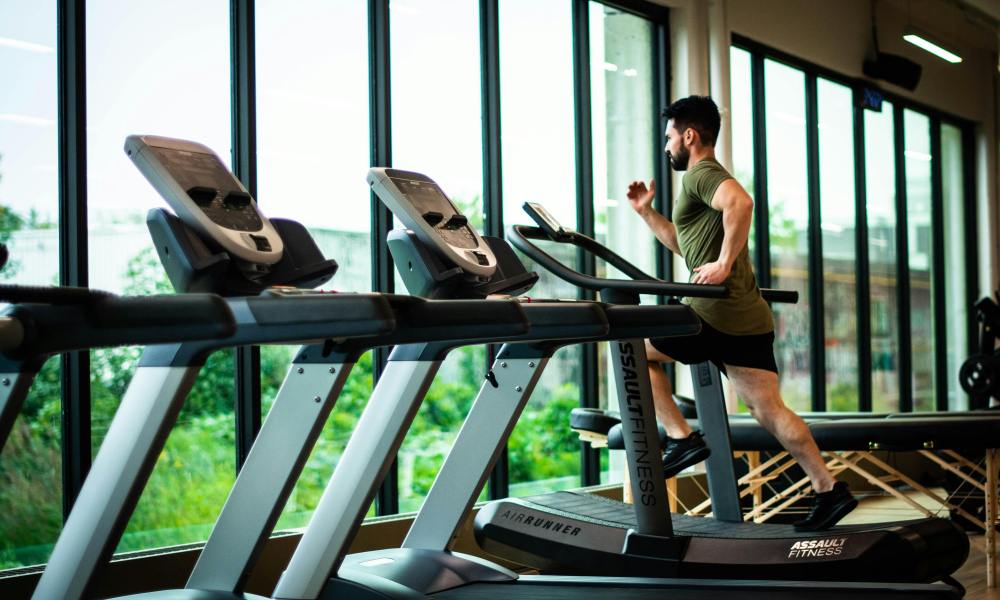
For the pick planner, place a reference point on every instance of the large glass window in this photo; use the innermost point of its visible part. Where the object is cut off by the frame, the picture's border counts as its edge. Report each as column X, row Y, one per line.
column 536, row 87
column 437, row 130
column 30, row 474
column 917, row 153
column 955, row 283
column 837, row 214
column 880, row 176
column 144, row 61
column 788, row 218
column 312, row 157
column 741, row 119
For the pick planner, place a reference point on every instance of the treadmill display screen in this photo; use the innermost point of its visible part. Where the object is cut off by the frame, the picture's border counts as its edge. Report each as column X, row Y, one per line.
column 201, row 174
column 425, row 196
column 545, row 216
column 428, row 199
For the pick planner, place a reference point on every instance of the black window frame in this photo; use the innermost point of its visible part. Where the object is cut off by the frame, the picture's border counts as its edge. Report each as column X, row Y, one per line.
column 759, row 52
column 72, row 115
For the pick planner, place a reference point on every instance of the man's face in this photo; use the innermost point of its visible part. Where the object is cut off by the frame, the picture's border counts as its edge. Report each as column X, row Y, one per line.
column 676, row 152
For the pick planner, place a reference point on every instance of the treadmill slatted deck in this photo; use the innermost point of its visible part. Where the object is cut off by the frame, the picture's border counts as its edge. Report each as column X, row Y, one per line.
column 608, row 512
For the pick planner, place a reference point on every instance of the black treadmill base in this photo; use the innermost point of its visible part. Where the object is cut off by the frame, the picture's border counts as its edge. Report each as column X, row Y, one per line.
column 558, row 588
column 572, row 533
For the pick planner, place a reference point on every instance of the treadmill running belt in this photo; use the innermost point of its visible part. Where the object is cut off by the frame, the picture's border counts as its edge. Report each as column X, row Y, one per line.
column 604, row 511
column 573, row 532
column 559, row 588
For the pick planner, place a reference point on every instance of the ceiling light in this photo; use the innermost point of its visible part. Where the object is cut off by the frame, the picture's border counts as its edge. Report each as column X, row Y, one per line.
column 922, row 40
column 29, row 46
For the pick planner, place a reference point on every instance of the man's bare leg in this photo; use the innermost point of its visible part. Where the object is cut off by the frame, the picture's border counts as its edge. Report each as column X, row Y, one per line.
column 667, row 412
column 759, row 389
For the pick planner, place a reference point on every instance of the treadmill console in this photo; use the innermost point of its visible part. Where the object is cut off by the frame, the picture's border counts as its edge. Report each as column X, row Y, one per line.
column 419, row 203
column 546, row 221
column 207, row 196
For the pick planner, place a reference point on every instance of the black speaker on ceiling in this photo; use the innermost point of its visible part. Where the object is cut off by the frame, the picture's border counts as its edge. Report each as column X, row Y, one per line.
column 893, row 68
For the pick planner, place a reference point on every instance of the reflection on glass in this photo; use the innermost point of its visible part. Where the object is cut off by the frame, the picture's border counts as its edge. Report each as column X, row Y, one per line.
column 955, row 284
column 437, row 130
column 312, row 128
column 917, row 153
column 788, row 217
column 741, row 117
column 190, row 51
column 30, row 465
column 624, row 127
column 536, row 87
column 880, row 182
column 837, row 214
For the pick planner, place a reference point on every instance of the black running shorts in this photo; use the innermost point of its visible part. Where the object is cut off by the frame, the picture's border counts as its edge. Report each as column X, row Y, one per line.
column 753, row 351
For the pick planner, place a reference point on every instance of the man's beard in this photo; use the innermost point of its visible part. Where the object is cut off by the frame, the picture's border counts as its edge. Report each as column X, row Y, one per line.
column 679, row 162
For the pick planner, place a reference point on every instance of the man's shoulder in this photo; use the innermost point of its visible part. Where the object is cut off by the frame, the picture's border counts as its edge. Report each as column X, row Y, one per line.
column 708, row 165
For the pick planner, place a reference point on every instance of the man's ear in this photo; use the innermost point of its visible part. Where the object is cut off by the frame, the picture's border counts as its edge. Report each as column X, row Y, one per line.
column 689, row 135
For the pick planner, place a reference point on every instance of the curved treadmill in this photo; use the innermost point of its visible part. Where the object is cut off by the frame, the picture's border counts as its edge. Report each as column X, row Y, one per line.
column 572, row 533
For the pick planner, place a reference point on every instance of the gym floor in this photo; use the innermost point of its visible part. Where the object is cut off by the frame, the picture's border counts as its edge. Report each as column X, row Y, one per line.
column 972, row 574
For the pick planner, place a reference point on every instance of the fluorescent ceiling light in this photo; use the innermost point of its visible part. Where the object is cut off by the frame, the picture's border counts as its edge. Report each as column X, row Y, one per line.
column 26, row 120
column 631, row 72
column 610, row 67
column 29, row 46
column 922, row 40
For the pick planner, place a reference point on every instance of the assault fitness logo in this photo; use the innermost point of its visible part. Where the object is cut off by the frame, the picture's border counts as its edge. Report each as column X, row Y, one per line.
column 817, row 548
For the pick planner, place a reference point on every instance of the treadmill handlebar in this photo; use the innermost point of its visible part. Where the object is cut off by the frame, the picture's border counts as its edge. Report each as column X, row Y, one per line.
column 50, row 294
column 108, row 320
column 641, row 282
column 780, row 296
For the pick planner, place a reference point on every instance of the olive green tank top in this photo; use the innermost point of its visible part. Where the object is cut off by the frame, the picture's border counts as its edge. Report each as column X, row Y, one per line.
column 699, row 235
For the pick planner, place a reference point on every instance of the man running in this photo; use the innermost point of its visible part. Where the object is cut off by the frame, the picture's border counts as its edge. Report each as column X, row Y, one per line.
column 712, row 216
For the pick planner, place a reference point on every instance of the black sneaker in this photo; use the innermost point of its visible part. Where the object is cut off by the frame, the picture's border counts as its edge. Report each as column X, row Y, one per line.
column 680, row 454
column 828, row 508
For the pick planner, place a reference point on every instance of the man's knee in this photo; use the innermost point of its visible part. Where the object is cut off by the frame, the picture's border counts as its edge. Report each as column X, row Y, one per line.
column 654, row 355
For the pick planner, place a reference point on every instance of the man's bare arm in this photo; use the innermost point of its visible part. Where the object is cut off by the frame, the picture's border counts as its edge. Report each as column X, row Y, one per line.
column 641, row 199
column 663, row 229
column 736, row 207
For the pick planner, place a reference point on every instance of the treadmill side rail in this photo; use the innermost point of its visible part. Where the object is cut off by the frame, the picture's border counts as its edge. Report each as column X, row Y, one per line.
column 479, row 442
column 123, row 464
column 14, row 388
column 347, row 496
column 642, row 440
column 714, row 421
column 268, row 476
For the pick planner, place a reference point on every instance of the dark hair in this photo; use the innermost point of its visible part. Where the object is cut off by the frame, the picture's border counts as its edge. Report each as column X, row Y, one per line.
column 699, row 113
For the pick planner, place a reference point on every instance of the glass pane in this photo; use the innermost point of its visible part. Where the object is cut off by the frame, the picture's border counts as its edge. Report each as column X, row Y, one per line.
column 955, row 284
column 274, row 362
column 437, row 423
column 313, row 139
column 190, row 51
column 741, row 116
column 788, row 219
column 627, row 137
column 435, row 89
column 837, row 214
column 30, row 466
column 536, row 86
column 880, row 182
column 917, row 153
